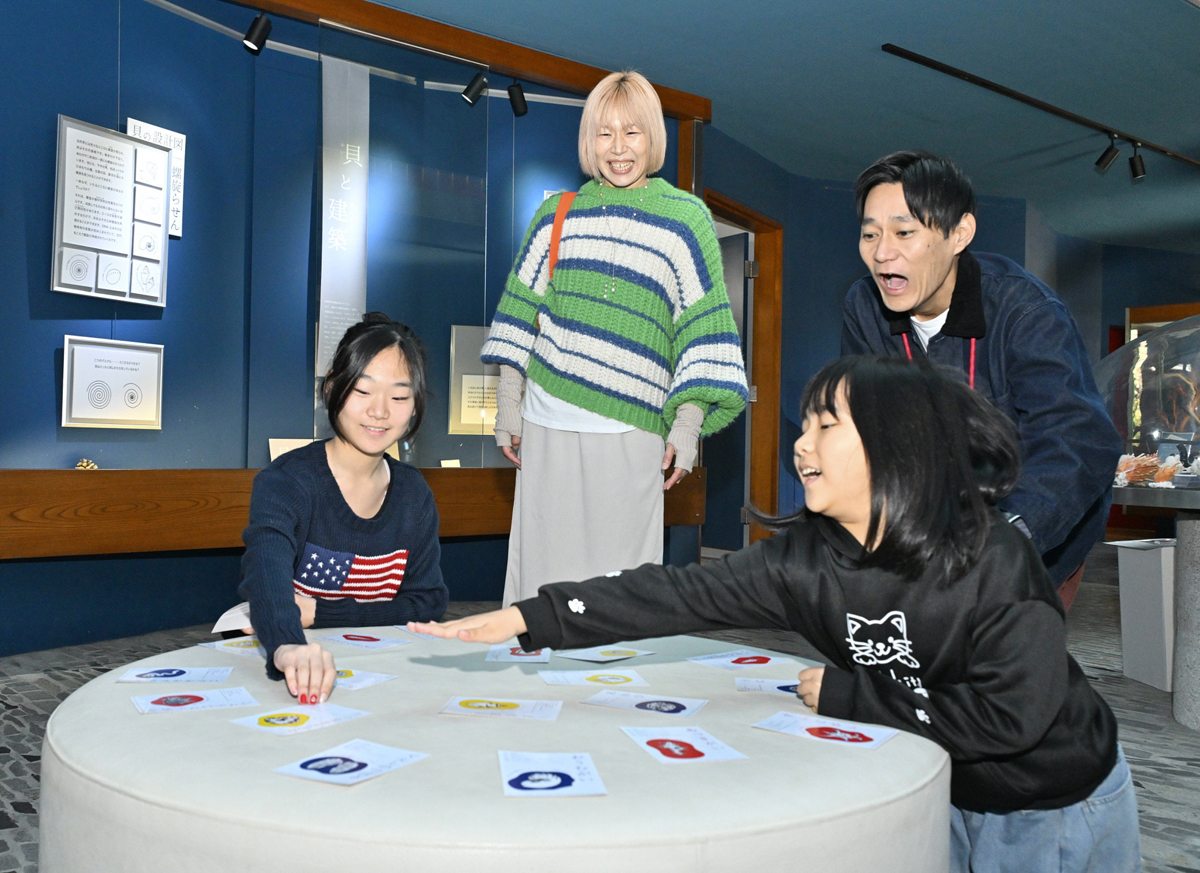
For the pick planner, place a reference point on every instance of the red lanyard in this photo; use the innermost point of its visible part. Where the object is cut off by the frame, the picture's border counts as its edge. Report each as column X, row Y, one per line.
column 970, row 373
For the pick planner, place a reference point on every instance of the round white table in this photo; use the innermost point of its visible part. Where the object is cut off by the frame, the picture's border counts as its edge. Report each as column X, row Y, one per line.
column 184, row 791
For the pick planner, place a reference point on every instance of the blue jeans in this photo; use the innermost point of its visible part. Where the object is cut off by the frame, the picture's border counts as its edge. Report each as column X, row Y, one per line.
column 1096, row 835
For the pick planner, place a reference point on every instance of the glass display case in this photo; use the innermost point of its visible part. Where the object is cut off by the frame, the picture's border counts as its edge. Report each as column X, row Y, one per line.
column 1152, row 391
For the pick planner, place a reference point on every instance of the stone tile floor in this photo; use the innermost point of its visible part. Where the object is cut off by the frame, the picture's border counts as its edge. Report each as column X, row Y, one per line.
column 1163, row 755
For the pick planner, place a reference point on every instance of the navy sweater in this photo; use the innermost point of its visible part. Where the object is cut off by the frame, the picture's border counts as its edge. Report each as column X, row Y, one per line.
column 304, row 538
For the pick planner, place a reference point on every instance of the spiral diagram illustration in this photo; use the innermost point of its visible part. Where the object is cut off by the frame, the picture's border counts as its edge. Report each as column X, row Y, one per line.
column 99, row 394
column 78, row 268
column 133, row 395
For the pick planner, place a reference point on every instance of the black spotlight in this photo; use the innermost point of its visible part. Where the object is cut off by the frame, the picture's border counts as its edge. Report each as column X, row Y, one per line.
column 1137, row 167
column 475, row 89
column 256, row 36
column 1110, row 154
column 516, row 99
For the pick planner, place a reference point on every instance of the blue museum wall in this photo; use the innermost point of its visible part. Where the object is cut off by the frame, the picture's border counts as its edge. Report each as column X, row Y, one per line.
column 1145, row 277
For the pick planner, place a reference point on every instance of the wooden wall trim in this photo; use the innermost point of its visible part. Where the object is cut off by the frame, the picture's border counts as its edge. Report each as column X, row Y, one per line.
column 504, row 58
column 59, row 513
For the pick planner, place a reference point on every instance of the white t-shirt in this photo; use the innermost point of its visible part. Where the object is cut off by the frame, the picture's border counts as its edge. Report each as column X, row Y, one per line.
column 543, row 408
column 927, row 330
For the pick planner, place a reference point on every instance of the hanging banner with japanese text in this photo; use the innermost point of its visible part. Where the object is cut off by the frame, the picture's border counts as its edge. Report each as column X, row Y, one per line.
column 346, row 125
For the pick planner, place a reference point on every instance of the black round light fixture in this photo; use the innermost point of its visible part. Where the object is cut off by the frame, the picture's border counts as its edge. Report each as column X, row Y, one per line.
column 1137, row 167
column 256, row 36
column 1110, row 154
column 516, row 99
column 475, row 89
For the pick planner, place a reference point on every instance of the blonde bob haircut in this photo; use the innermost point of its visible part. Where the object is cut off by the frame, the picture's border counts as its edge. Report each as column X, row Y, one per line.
column 627, row 96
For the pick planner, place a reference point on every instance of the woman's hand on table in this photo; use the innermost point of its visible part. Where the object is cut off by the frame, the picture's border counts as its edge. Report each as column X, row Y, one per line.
column 308, row 671
column 487, row 627
column 809, row 689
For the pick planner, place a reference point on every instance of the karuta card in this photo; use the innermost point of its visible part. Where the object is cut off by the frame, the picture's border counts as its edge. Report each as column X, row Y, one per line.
column 738, row 660
column 516, row 653
column 177, row 674
column 418, row 633
column 535, row 774
column 239, row 646
column 217, row 698
column 496, row 707
column 646, row 702
column 351, row 763
column 603, row 654
column 772, row 686
column 828, row 730
column 352, row 680
column 365, row 641
column 300, row 719
column 682, row 745
column 591, row 677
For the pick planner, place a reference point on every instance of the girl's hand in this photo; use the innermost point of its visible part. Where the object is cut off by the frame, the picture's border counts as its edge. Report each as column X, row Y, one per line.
column 810, row 686
column 487, row 627
column 308, row 671
column 676, row 474
column 510, row 452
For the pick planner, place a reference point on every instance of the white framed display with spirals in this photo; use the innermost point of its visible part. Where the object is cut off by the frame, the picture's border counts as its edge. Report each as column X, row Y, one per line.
column 110, row 383
column 111, row 202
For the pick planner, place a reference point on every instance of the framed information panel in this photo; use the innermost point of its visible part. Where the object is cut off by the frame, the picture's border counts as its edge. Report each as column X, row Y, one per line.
column 109, row 383
column 110, row 214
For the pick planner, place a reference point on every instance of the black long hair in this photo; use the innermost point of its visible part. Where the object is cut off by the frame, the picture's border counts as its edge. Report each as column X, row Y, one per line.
column 358, row 347
column 938, row 454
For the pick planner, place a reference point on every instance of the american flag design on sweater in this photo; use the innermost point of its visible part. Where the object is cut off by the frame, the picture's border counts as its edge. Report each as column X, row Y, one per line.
column 331, row 575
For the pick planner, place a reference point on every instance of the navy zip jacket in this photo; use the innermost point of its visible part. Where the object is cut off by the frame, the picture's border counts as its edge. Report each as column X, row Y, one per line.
column 979, row 666
column 1031, row 363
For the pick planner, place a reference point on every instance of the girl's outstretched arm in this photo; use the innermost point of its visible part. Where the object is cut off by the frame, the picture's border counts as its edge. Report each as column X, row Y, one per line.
column 487, row 627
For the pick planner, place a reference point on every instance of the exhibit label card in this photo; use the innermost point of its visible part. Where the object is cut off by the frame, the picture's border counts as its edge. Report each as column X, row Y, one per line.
column 177, row 674
column 828, row 730
column 110, row 383
column 365, row 641
column 218, row 698
column 591, row 677
column 682, row 745
column 300, row 719
column 603, row 654
column 516, row 653
column 683, row 706
column 773, row 686
column 98, row 200
column 739, row 659
column 496, row 707
column 352, row 680
column 154, row 171
column 238, row 646
column 351, row 763
column 534, row 774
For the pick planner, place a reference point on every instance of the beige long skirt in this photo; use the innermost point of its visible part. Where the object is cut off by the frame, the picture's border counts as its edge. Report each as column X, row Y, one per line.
column 586, row 504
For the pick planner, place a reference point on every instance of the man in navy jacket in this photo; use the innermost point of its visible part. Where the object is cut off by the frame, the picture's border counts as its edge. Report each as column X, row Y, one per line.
column 1011, row 336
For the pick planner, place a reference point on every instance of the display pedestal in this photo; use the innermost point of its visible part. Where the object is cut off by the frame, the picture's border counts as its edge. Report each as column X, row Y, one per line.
column 1147, row 573
column 1186, row 675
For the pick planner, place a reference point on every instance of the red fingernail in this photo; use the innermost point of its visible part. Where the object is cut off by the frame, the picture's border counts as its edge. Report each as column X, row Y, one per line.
column 303, row 699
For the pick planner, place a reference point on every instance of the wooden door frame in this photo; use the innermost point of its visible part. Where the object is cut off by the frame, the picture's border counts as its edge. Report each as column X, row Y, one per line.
column 765, row 352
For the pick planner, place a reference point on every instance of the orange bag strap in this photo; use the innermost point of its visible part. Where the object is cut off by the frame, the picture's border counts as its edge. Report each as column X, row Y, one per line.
column 560, row 215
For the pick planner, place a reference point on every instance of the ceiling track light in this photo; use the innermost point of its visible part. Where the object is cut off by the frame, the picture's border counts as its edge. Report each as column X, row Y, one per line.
column 516, row 99
column 475, row 88
column 256, row 36
column 1137, row 167
column 1110, row 154
column 1043, row 106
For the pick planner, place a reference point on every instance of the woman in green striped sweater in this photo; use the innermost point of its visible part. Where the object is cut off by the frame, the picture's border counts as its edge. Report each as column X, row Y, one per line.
column 631, row 341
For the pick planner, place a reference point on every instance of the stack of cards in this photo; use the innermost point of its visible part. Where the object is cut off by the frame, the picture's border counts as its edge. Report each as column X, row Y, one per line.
column 516, row 653
column 351, row 763
column 239, row 646
column 682, row 745
column 603, row 654
column 591, row 677
column 416, row 634
column 300, row 719
column 365, row 641
column 354, row 679
column 647, row 702
column 177, row 674
column 739, row 659
column 494, row 707
column 774, row 686
column 829, row 730
column 530, row 774
column 218, row 698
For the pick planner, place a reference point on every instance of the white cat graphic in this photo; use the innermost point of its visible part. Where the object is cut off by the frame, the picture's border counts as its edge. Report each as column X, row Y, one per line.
column 880, row 641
